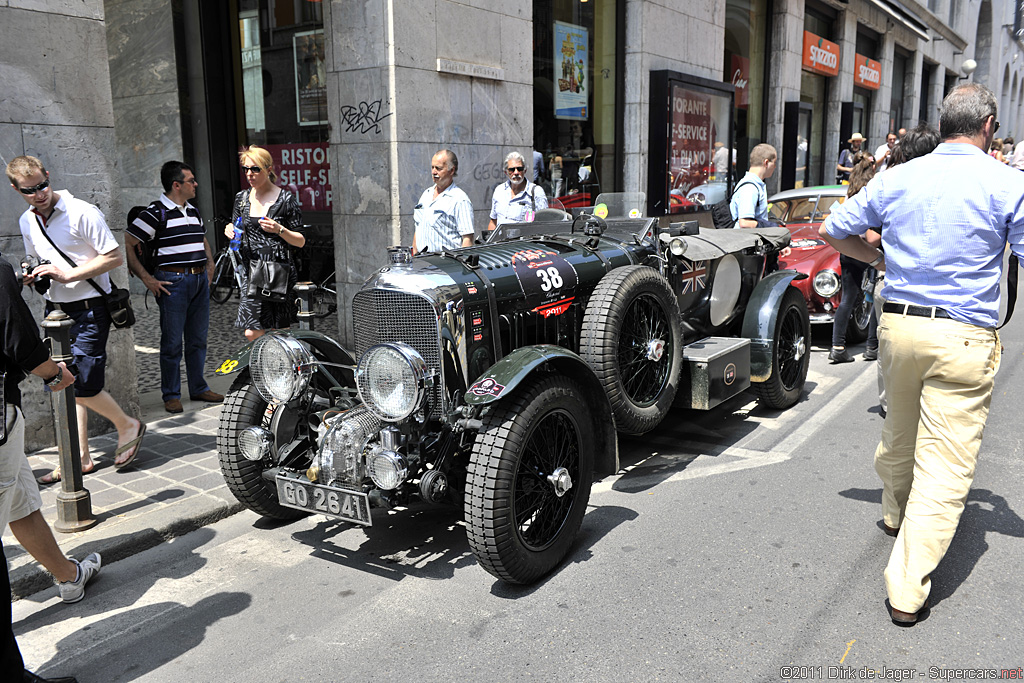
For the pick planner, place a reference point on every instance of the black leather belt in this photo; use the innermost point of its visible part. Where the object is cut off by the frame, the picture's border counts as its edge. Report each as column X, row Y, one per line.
column 72, row 306
column 184, row 270
column 918, row 311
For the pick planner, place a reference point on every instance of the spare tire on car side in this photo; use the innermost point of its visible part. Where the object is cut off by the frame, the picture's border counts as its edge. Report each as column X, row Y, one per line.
column 632, row 339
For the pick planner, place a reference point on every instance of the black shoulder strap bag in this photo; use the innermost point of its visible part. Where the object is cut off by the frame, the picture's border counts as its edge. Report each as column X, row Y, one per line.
column 1011, row 288
column 118, row 301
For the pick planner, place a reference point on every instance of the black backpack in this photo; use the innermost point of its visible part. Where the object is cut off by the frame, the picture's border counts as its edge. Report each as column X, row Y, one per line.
column 721, row 213
column 146, row 251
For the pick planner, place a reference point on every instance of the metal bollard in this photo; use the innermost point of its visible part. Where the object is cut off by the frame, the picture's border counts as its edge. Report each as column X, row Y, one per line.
column 74, row 504
column 305, row 301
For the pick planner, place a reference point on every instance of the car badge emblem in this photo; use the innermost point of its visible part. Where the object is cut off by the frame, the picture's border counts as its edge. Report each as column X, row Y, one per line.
column 487, row 387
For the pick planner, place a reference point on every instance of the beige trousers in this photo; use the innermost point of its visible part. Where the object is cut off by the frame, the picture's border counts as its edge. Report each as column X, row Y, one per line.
column 938, row 376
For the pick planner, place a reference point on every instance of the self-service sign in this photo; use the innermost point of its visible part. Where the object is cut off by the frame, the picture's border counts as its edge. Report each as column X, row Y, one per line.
column 820, row 56
column 867, row 73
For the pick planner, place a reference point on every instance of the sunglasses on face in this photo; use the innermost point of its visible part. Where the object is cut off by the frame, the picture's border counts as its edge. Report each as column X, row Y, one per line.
column 251, row 169
column 38, row 188
column 515, row 169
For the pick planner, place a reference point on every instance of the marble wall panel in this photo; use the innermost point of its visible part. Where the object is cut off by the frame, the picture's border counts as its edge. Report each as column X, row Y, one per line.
column 140, row 45
column 358, row 32
column 148, row 133
column 474, row 34
column 85, row 9
column 11, row 203
column 440, row 107
column 365, row 107
column 513, row 8
column 74, row 86
column 81, row 159
column 502, row 113
column 416, row 35
column 362, row 174
column 517, row 50
column 367, row 243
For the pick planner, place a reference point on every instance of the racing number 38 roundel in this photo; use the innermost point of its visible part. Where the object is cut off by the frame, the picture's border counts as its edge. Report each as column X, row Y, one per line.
column 548, row 280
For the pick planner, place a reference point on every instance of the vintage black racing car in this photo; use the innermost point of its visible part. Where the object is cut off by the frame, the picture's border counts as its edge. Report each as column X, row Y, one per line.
column 495, row 377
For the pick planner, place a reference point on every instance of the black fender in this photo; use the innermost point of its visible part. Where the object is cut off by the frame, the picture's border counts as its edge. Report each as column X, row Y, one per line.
column 330, row 351
column 759, row 320
column 502, row 378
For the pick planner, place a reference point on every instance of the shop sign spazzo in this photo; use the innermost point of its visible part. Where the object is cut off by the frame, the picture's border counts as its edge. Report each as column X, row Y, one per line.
column 867, row 73
column 820, row 56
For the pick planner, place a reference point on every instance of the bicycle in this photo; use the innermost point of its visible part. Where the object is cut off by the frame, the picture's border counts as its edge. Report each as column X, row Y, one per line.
column 325, row 298
column 226, row 275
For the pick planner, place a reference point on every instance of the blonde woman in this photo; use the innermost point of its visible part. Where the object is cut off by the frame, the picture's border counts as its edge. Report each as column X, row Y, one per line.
column 272, row 231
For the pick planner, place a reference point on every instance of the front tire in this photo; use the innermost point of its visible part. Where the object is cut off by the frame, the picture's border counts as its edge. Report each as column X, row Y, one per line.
column 244, row 407
column 790, row 358
column 521, row 518
column 632, row 339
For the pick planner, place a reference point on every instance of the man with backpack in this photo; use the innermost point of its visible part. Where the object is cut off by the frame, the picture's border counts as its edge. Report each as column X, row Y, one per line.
column 749, row 203
column 177, row 267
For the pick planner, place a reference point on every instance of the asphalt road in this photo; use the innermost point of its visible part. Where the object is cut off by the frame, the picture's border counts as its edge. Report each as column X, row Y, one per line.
column 737, row 543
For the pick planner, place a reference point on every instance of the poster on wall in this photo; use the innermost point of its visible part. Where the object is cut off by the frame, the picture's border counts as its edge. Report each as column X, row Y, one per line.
column 741, row 79
column 302, row 168
column 571, row 87
column 310, row 78
column 697, row 132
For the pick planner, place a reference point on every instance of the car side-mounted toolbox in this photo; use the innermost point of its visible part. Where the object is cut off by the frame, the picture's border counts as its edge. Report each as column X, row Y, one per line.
column 714, row 369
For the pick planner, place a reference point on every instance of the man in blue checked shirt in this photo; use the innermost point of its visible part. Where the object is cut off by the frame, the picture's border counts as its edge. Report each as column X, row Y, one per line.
column 444, row 214
column 516, row 200
column 946, row 219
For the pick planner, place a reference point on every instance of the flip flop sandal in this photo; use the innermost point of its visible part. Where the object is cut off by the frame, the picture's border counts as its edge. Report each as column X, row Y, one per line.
column 135, row 443
column 49, row 478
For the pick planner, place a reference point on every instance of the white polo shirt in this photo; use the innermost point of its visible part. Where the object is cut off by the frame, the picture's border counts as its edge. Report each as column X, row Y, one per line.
column 81, row 232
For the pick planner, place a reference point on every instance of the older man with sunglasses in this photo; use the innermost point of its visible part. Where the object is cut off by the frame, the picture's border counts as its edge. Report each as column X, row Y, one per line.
column 516, row 200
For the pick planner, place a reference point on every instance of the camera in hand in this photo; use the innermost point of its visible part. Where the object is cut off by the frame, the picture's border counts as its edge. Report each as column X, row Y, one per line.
column 30, row 263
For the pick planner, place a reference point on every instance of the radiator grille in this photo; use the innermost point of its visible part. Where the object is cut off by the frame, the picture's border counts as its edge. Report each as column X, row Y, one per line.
column 381, row 316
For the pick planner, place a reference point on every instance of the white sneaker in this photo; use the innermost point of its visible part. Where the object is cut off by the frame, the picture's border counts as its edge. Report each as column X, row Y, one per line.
column 73, row 591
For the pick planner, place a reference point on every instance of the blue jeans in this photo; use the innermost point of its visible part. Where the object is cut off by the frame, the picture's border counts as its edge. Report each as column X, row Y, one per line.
column 852, row 275
column 184, row 314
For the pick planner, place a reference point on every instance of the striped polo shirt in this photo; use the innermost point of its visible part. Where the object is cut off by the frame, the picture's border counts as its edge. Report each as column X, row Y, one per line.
column 178, row 233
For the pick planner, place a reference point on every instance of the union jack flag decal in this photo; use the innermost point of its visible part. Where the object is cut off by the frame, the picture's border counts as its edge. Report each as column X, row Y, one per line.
column 694, row 276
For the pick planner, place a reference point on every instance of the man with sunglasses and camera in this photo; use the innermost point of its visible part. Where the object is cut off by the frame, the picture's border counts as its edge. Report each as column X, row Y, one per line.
column 180, row 281
column 72, row 238
column 517, row 200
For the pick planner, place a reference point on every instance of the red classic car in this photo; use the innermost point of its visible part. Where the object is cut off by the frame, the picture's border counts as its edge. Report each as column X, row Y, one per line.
column 803, row 210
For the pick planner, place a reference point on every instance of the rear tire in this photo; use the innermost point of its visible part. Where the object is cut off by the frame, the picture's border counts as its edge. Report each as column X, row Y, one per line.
column 518, row 525
column 790, row 357
column 244, row 407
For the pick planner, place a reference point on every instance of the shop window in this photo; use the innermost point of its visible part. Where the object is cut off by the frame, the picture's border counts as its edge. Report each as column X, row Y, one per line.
column 746, row 30
column 576, row 82
column 283, row 104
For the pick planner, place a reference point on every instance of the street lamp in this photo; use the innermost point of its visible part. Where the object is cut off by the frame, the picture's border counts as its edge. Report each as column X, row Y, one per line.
column 967, row 68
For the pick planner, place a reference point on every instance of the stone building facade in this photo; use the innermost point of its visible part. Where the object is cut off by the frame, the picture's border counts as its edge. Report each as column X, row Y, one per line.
column 354, row 96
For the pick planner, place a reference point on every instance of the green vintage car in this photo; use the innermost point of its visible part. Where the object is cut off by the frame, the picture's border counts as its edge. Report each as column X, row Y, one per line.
column 496, row 377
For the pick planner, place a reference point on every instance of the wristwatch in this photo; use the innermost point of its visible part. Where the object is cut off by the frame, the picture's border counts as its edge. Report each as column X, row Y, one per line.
column 280, row 229
column 56, row 379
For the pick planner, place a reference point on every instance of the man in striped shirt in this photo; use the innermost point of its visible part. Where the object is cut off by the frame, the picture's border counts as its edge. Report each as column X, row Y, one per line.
column 180, row 282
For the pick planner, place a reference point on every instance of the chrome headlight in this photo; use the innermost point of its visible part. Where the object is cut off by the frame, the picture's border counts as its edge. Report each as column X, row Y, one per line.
column 342, row 448
column 281, row 367
column 254, row 442
column 387, row 469
column 390, row 379
column 826, row 283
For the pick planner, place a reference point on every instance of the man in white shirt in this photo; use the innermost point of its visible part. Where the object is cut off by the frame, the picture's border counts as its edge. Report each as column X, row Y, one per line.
column 79, row 230
column 444, row 214
column 882, row 153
